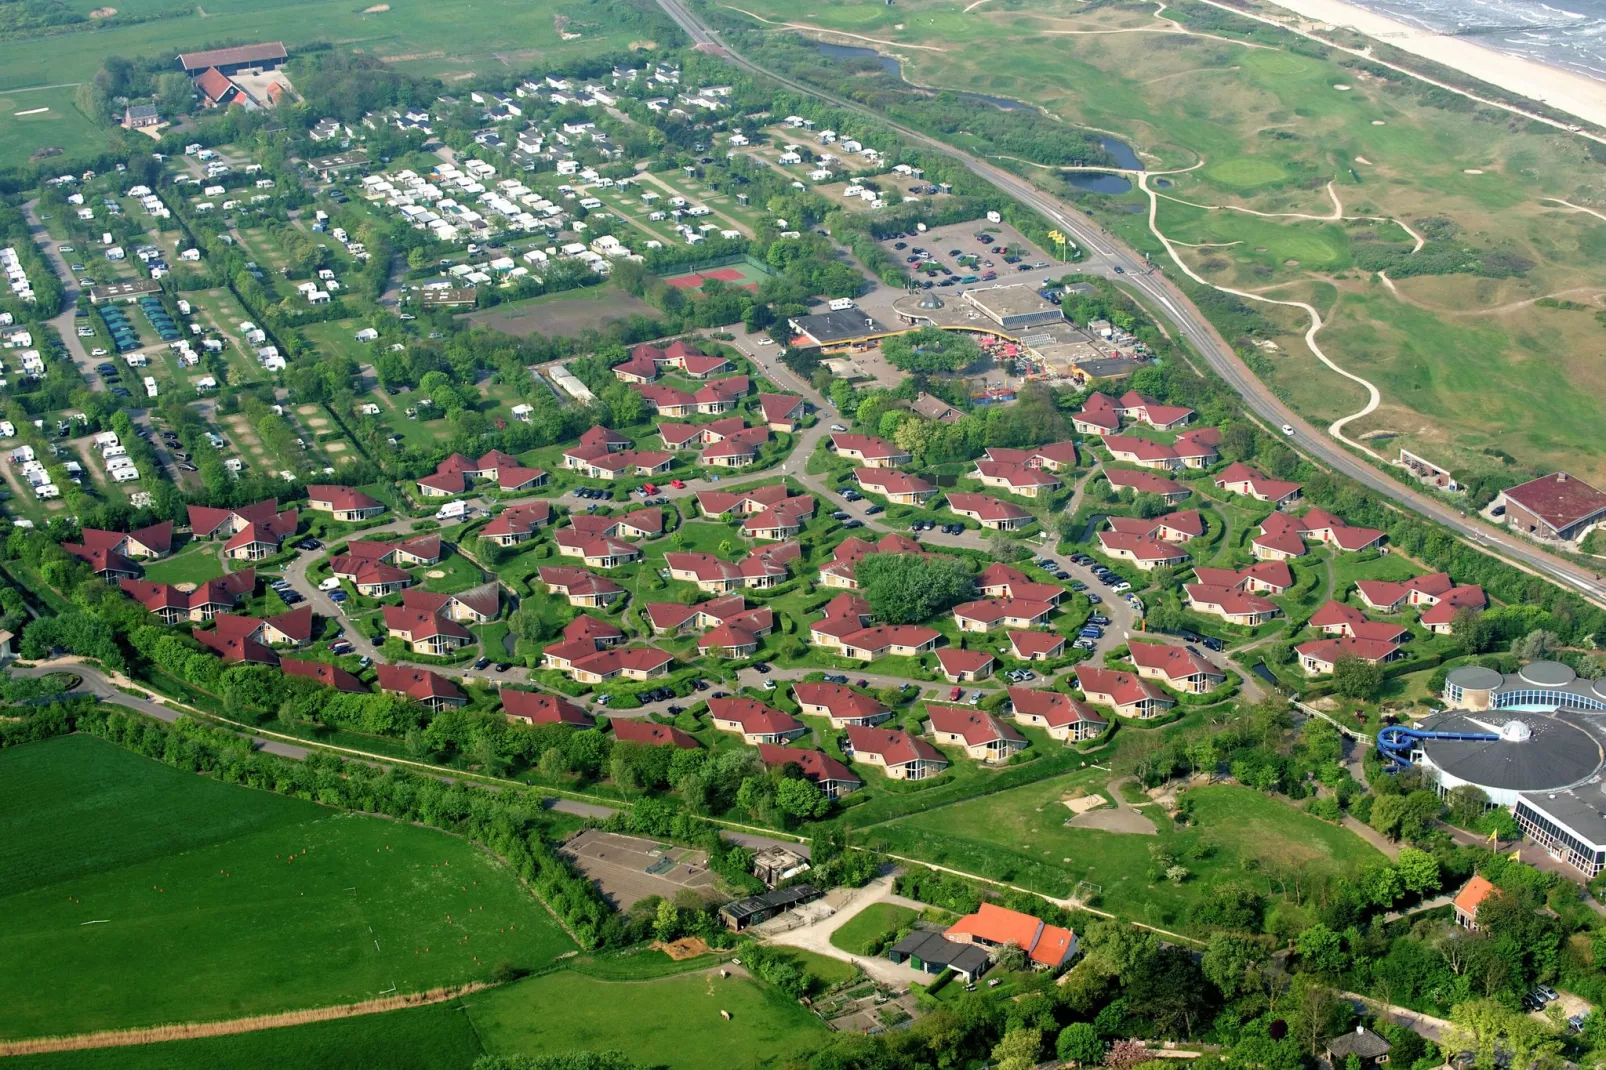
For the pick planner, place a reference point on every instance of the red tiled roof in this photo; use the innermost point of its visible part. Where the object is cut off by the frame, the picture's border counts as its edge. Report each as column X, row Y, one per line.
column 328, row 675
column 538, row 707
column 297, row 624
column 1142, row 449
column 882, row 636
column 1142, row 482
column 423, row 624
column 1281, row 532
column 1017, row 475
column 990, row 610
column 894, row 746
column 520, row 519
column 515, row 476
column 650, row 734
column 986, row 507
column 1473, row 893
column 578, row 581
column 340, row 498
column 817, row 766
column 956, row 661
column 868, row 446
column 891, row 481
column 1037, row 644
column 1330, row 650
column 1099, row 410
column 1057, row 708
column 419, row 684
column 1123, row 688
column 842, row 702
column 1452, row 602
column 975, row 727
column 215, row 84
column 754, row 717
column 727, row 637
column 1174, row 661
column 1141, row 547
column 231, row 638
column 1230, row 599
column 780, row 407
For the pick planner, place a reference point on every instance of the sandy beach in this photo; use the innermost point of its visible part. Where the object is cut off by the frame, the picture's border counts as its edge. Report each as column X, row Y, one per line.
column 1563, row 90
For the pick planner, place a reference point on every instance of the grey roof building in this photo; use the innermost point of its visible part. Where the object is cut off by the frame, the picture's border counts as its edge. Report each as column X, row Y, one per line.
column 1364, row 1044
column 741, row 913
column 931, row 952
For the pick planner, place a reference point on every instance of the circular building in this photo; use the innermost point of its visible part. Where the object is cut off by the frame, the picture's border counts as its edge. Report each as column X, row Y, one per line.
column 1509, row 754
column 1539, row 685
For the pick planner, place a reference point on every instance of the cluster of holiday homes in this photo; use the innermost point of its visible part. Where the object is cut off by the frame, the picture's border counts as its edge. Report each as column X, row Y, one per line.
column 457, row 475
column 252, row 532
column 1030, row 473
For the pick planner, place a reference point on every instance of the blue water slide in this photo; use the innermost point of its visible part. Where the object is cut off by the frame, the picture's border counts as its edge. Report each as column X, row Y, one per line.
column 1394, row 742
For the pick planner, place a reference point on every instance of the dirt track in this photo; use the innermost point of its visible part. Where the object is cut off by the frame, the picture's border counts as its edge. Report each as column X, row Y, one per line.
column 123, row 1038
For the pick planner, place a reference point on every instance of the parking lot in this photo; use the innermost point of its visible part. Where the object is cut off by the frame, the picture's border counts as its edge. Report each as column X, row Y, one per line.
column 956, row 255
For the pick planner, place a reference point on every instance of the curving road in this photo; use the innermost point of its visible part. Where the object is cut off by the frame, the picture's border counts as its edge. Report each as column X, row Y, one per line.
column 1109, row 257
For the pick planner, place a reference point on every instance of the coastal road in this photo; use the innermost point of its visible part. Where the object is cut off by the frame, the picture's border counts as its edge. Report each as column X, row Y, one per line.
column 1109, row 257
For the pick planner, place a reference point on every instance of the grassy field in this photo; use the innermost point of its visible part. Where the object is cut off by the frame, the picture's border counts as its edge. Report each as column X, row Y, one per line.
column 673, row 1022
column 871, row 924
column 193, row 564
column 127, row 882
column 438, row 1037
column 24, row 129
column 1020, row 836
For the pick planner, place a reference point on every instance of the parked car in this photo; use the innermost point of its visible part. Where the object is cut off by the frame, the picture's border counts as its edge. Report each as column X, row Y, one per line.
column 503, row 666
column 838, row 428
column 834, row 678
column 956, row 694
column 1094, row 599
column 480, row 663
column 853, row 524
column 1121, row 587
column 840, row 514
column 873, row 510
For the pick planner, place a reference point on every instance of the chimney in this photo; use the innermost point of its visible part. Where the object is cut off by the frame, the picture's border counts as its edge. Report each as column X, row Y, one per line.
column 1561, row 477
column 1360, row 1029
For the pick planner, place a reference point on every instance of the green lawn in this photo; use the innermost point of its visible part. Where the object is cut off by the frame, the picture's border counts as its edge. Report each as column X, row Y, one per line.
column 61, row 125
column 195, row 563
column 870, row 925
column 825, row 970
column 673, row 1022
column 458, row 573
column 140, row 895
column 1020, row 836
column 437, row 1037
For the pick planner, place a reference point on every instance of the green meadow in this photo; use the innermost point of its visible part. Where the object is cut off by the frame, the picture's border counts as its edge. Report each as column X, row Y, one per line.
column 139, row 895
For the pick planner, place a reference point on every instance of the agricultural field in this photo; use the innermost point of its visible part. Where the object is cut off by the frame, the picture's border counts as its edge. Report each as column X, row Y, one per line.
column 440, row 39
column 1338, row 163
column 109, row 855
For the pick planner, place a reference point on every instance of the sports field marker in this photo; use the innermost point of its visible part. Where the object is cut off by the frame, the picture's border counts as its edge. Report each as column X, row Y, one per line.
column 97, row 921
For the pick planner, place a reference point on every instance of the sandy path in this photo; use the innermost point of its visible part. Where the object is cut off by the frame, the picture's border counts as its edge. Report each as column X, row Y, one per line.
column 123, row 1038
column 1335, row 216
column 1373, row 398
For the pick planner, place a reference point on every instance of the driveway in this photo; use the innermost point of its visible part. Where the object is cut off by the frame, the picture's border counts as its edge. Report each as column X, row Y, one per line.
column 816, row 937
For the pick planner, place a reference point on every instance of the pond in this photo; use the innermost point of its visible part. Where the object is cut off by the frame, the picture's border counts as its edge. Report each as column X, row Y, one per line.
column 1125, row 158
column 888, row 64
column 1100, row 182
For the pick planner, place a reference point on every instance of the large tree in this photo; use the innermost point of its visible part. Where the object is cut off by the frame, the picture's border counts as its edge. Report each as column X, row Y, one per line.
column 908, row 588
column 931, row 349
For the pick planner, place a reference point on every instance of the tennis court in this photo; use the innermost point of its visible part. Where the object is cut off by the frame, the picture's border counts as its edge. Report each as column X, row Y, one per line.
column 628, row 868
column 732, row 275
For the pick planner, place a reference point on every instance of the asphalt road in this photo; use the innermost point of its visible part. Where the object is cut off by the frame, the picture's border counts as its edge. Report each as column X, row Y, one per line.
column 1109, row 257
